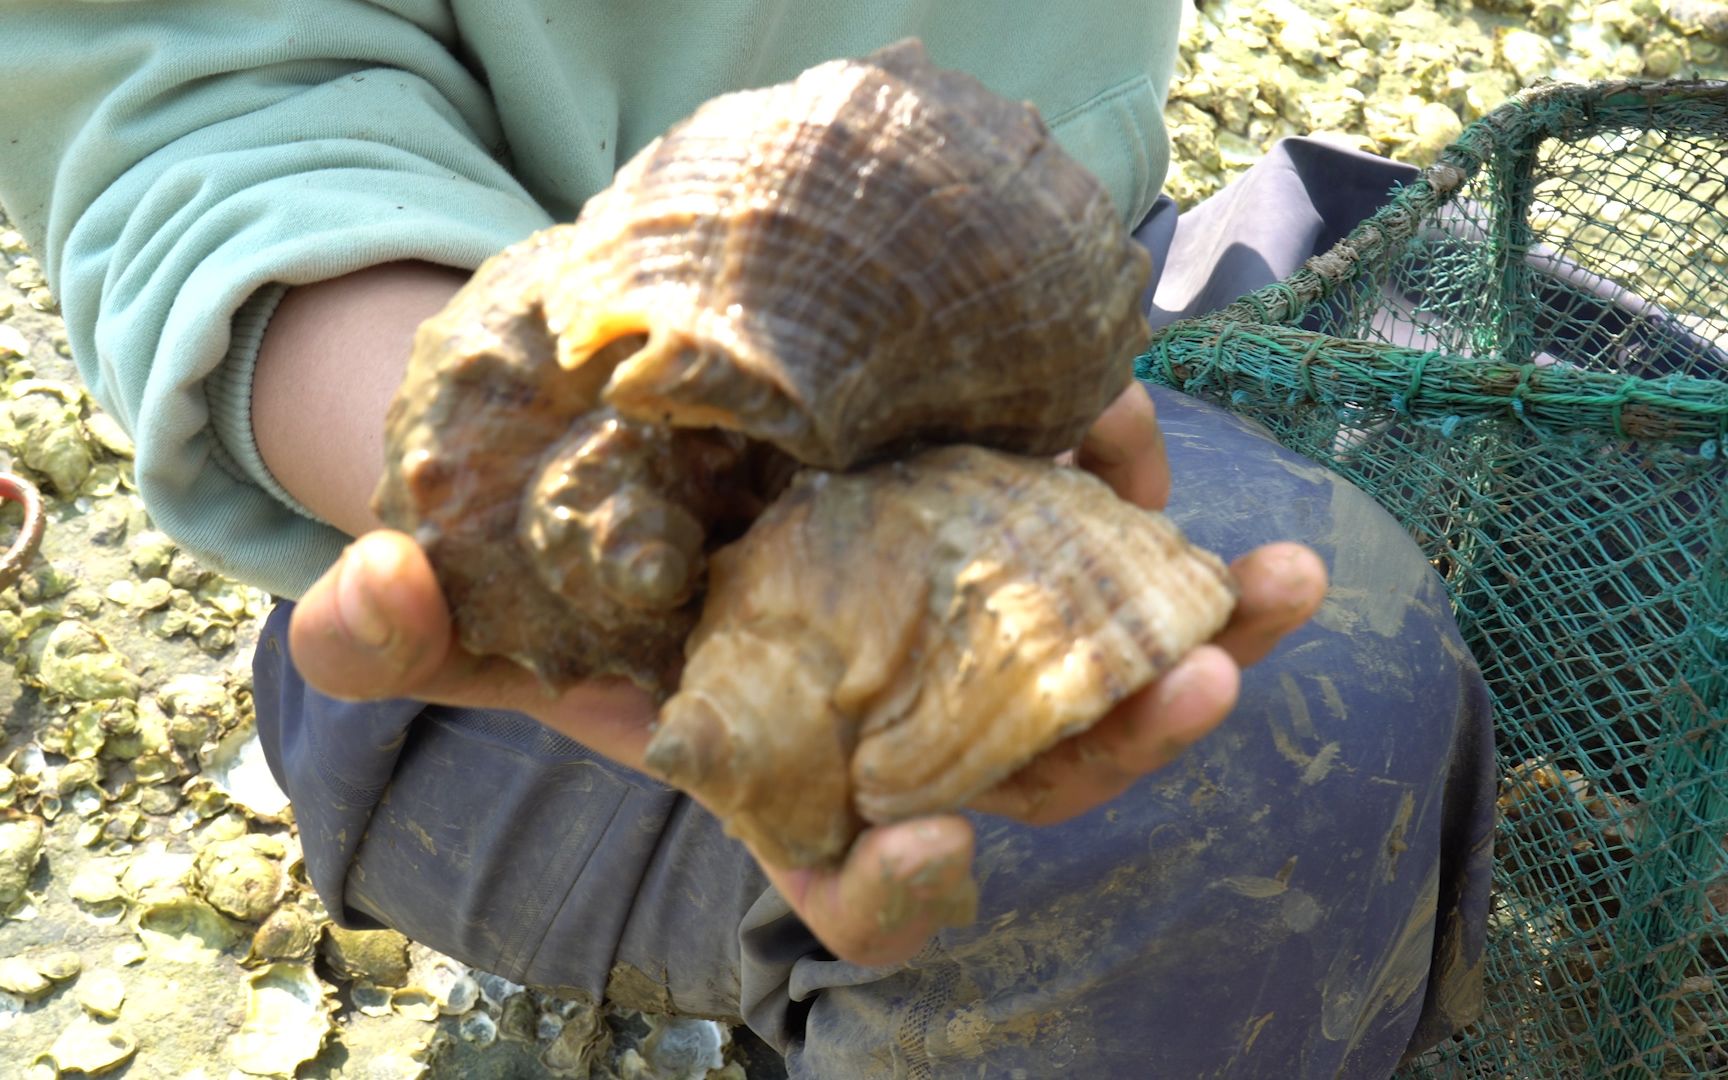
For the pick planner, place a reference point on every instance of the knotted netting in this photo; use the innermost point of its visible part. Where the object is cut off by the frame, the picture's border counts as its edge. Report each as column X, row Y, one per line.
column 1524, row 357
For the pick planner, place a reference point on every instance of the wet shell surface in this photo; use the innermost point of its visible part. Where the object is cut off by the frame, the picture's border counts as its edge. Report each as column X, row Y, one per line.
column 893, row 642
column 875, row 257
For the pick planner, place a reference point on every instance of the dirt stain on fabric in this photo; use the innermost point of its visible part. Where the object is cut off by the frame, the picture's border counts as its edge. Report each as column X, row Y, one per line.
column 1259, row 888
column 1402, row 971
column 1315, row 766
column 423, row 836
column 1396, row 842
column 634, row 988
column 1252, row 1031
column 1255, row 888
column 1380, row 587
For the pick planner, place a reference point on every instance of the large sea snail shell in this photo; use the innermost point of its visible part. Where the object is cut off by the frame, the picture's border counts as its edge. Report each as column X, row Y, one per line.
column 874, row 257
column 892, row 642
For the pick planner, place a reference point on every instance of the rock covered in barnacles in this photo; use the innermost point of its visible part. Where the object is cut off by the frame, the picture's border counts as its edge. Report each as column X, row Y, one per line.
column 876, row 256
column 893, row 642
column 20, row 846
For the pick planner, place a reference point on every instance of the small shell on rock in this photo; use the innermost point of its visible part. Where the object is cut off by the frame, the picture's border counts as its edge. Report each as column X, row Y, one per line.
column 93, row 1047
column 129, row 953
column 892, row 642
column 238, row 768
column 876, row 256
column 13, row 343
column 580, row 1044
column 59, row 452
column 494, row 989
column 518, row 1019
column 101, row 993
column 681, row 1048
column 478, row 1028
column 186, row 931
column 107, row 433
column 450, row 985
column 155, row 875
column 238, row 879
column 79, row 664
column 289, row 933
column 19, row 976
column 415, row 1003
column 151, row 554
column 84, row 801
column 549, row 1026
column 287, row 1020
column 370, row 1000
column 379, row 957
column 60, row 966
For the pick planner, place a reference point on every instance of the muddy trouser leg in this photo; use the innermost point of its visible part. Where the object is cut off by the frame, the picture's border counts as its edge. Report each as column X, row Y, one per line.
column 1302, row 894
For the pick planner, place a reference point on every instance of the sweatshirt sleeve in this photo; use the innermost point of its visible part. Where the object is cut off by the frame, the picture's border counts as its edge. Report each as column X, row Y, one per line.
column 178, row 165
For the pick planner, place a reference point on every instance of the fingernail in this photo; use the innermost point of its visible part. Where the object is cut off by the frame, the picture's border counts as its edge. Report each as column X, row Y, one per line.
column 361, row 614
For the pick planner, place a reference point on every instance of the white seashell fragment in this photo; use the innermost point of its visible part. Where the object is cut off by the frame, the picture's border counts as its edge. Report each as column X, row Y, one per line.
column 448, row 981
column 371, row 1000
column 107, row 433
column 415, row 1003
column 186, row 931
column 155, row 875
column 13, row 343
column 287, row 1020
column 19, row 976
column 85, row 801
column 60, row 966
column 495, row 989
column 90, row 1046
column 548, row 1026
column 101, row 992
column 95, row 883
column 459, row 997
column 684, row 1049
column 478, row 1028
column 239, row 770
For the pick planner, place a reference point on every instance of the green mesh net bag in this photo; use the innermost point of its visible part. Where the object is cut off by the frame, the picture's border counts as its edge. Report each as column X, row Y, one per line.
column 1524, row 357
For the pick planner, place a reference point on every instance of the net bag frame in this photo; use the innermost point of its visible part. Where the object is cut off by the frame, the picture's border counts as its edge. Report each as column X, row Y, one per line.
column 1523, row 356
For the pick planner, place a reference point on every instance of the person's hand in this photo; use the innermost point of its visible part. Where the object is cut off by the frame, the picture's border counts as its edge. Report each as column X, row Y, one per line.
column 376, row 626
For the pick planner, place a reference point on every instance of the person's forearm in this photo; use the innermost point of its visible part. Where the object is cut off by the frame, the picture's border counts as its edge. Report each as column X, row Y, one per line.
column 329, row 364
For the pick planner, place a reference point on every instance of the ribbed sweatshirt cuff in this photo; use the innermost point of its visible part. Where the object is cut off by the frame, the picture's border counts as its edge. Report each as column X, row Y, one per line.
column 229, row 393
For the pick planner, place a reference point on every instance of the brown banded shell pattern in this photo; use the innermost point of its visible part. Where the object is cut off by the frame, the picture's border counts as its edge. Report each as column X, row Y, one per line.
column 539, row 508
column 892, row 642
column 876, row 256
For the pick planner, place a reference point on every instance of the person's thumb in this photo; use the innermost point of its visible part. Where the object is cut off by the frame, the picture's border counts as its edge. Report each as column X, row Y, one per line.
column 375, row 625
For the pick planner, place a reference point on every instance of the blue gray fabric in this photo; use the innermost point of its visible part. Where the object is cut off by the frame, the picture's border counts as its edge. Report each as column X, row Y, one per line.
column 1303, row 894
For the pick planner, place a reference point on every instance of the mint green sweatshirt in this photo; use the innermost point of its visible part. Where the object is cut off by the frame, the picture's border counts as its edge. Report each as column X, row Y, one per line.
column 178, row 164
